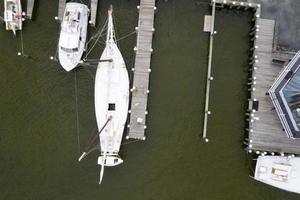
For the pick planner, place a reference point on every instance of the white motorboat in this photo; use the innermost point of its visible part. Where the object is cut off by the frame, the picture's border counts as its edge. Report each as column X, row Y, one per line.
column 13, row 15
column 278, row 171
column 73, row 35
column 111, row 100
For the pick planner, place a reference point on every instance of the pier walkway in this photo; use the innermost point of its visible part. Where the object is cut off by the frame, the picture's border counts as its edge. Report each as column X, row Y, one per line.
column 140, row 88
column 266, row 133
column 30, row 5
column 209, row 78
column 93, row 9
column 61, row 9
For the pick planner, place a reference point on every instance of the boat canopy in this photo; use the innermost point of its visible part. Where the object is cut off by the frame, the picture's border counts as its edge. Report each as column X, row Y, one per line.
column 280, row 172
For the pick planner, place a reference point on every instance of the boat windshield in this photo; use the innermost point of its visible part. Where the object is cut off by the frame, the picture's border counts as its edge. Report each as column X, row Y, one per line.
column 71, row 21
column 69, row 50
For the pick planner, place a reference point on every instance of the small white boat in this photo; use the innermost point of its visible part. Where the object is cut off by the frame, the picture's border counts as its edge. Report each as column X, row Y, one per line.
column 73, row 35
column 280, row 172
column 111, row 100
column 13, row 15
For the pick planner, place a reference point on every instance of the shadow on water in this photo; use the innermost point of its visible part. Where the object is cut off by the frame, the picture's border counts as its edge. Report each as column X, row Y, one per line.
column 38, row 139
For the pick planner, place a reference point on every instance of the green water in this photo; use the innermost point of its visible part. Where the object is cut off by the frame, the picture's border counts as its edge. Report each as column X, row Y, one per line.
column 38, row 132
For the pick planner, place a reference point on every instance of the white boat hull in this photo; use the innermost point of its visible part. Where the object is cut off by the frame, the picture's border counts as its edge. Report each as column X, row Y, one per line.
column 111, row 99
column 13, row 15
column 280, row 172
column 73, row 35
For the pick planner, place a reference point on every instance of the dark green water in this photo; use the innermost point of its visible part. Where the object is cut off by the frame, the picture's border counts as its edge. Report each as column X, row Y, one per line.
column 38, row 135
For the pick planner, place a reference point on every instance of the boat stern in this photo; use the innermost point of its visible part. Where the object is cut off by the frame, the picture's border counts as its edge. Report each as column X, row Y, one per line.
column 110, row 161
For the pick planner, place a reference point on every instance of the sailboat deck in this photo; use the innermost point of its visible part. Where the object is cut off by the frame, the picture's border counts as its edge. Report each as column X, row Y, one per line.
column 139, row 95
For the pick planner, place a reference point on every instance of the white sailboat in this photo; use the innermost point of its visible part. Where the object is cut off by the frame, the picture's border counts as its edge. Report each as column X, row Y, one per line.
column 73, row 35
column 111, row 100
column 280, row 172
column 13, row 15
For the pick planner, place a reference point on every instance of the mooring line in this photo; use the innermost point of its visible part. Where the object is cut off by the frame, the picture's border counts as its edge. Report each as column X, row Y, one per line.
column 126, row 36
column 76, row 108
column 125, row 143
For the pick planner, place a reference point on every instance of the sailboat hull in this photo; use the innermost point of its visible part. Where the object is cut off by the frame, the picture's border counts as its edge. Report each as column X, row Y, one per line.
column 111, row 99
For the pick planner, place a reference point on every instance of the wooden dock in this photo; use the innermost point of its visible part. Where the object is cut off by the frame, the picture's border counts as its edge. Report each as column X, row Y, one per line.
column 238, row 5
column 209, row 27
column 93, row 9
column 61, row 9
column 140, row 87
column 266, row 133
column 30, row 5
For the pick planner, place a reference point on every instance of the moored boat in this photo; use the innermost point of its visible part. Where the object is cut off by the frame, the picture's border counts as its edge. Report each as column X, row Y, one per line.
column 111, row 100
column 13, row 15
column 73, row 35
column 278, row 171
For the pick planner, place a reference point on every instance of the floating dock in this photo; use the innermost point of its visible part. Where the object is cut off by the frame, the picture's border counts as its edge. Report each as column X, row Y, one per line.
column 266, row 133
column 93, row 8
column 30, row 6
column 209, row 27
column 141, row 71
column 61, row 9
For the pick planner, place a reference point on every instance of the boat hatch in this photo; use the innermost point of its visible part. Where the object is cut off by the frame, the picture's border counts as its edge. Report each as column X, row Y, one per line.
column 111, row 106
column 280, row 172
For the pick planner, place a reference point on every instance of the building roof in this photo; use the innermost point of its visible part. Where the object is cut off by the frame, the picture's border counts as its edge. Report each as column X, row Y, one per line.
column 285, row 95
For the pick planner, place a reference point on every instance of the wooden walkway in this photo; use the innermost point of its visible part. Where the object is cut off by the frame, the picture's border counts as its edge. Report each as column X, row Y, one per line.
column 266, row 133
column 93, row 6
column 61, row 9
column 30, row 5
column 139, row 90
column 209, row 27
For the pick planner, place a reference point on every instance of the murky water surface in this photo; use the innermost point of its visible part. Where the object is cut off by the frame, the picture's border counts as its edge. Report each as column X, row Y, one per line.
column 38, row 132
